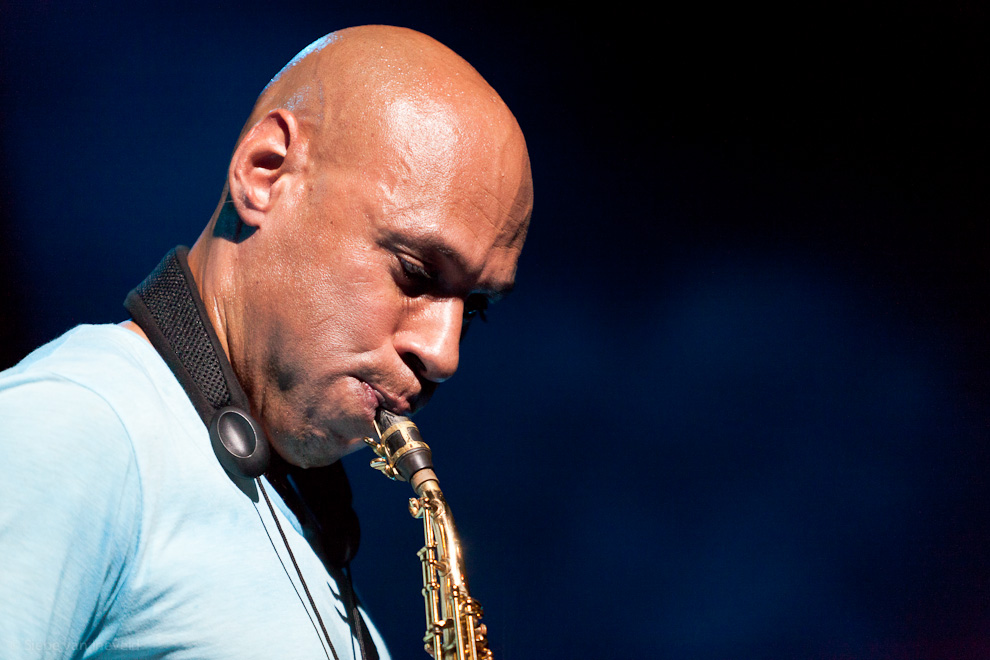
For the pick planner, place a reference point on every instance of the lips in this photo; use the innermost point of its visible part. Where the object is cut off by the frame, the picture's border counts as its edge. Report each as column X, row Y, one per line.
column 377, row 399
column 372, row 399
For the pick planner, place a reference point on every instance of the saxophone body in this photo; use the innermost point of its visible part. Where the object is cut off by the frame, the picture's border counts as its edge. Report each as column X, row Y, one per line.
column 454, row 630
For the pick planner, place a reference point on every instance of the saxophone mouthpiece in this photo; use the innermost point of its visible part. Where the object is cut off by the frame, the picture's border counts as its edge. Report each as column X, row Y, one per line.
column 384, row 420
column 403, row 449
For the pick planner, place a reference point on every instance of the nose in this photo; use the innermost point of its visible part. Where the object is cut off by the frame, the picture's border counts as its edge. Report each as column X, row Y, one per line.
column 428, row 338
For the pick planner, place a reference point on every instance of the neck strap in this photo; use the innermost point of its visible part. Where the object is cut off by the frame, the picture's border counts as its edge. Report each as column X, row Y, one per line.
column 169, row 309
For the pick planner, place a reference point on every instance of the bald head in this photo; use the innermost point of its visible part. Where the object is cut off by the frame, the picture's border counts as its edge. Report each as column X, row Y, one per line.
column 361, row 90
column 379, row 197
column 367, row 64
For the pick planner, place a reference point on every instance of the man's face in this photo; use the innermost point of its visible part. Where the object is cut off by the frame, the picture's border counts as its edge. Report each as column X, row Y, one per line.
column 371, row 275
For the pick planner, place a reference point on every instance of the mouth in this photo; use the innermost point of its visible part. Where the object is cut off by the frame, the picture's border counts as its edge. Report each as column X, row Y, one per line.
column 376, row 399
column 373, row 399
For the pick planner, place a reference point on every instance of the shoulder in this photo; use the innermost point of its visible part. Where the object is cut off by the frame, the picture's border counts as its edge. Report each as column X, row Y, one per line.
column 87, row 401
column 91, row 355
column 100, row 375
column 59, row 422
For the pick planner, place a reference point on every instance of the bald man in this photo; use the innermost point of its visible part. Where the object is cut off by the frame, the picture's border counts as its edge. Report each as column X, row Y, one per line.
column 377, row 200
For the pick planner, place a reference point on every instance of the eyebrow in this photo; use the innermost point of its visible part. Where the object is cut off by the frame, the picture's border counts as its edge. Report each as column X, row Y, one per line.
column 493, row 295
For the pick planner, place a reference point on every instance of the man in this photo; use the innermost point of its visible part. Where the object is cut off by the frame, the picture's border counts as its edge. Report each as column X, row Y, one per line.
column 377, row 199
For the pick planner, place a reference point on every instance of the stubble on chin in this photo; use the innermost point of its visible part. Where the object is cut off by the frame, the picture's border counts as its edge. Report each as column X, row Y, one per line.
column 307, row 448
column 309, row 435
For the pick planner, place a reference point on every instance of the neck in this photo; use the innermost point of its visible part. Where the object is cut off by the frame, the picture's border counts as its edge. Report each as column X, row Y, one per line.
column 204, row 264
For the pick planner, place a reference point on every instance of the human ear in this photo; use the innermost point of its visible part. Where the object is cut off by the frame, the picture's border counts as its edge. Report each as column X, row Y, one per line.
column 260, row 163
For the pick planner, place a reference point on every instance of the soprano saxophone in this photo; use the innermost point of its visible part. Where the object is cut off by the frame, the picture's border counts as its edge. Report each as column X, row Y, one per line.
column 453, row 619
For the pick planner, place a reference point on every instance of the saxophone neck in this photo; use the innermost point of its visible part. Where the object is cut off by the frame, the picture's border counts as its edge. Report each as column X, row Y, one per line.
column 425, row 483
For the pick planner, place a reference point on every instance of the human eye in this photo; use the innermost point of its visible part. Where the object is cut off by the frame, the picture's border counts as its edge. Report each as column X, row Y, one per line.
column 417, row 278
column 475, row 306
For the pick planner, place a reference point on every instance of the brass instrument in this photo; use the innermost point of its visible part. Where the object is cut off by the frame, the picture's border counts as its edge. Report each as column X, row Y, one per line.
column 453, row 619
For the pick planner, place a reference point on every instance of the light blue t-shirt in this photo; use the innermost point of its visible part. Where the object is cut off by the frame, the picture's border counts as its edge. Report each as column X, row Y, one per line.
column 121, row 536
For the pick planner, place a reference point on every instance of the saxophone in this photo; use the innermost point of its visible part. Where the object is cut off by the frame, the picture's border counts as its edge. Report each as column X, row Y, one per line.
column 453, row 619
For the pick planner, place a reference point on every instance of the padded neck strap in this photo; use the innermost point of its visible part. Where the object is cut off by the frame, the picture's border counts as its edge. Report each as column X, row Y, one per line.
column 168, row 308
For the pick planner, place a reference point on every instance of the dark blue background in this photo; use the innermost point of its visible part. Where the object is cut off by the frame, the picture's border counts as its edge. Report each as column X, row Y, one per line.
column 738, row 405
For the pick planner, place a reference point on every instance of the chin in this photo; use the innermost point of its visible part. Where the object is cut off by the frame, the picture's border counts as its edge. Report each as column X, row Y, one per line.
column 318, row 448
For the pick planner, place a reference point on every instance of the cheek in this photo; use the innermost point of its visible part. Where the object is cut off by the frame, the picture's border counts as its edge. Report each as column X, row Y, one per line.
column 286, row 369
column 359, row 304
column 364, row 319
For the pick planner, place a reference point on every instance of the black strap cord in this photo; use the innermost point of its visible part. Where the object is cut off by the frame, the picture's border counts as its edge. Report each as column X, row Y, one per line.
column 295, row 565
